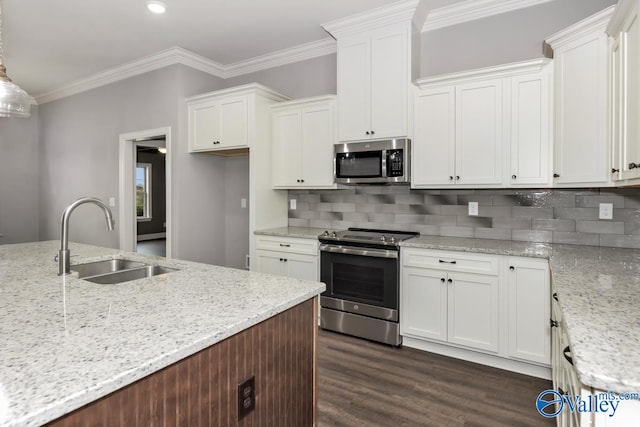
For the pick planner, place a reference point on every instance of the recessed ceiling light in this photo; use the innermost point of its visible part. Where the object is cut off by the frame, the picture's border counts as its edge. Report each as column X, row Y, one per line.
column 156, row 6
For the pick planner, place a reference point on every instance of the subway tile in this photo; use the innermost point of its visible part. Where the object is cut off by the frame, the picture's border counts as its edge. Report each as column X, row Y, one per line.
column 509, row 223
column 626, row 215
column 410, row 219
column 425, row 192
column 314, row 198
column 332, row 198
column 454, row 210
column 554, row 224
column 343, row 207
column 388, row 218
column 592, row 201
column 576, row 213
column 440, row 199
column 532, row 235
column 367, row 207
column 474, row 221
column 359, row 198
column 492, row 233
column 631, row 228
column 494, row 211
column 427, row 229
column 453, row 231
column 318, row 223
column 572, row 238
column 601, row 227
column 410, row 199
column 425, row 209
column 482, row 199
column 439, row 220
column 391, row 208
column 507, row 200
column 355, row 216
column 299, row 214
column 632, row 201
column 396, row 189
column 620, row 241
column 382, row 198
column 341, row 225
column 298, row 222
column 532, row 212
column 369, row 189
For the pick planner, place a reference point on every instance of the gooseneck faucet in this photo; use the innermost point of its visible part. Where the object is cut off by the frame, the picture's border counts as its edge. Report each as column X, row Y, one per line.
column 64, row 263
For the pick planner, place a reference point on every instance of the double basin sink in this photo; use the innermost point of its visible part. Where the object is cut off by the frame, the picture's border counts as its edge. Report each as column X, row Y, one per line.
column 118, row 270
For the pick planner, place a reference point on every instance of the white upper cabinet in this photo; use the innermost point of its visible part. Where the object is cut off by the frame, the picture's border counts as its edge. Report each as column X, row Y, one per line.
column 303, row 136
column 218, row 123
column 581, row 103
column 625, row 92
column 375, row 70
column 485, row 128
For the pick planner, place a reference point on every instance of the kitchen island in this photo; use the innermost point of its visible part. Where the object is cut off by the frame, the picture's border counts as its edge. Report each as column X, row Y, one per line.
column 189, row 336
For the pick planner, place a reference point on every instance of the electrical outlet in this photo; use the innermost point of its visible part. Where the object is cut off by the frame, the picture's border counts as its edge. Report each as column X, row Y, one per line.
column 292, row 204
column 112, row 201
column 606, row 210
column 473, row 208
column 246, row 397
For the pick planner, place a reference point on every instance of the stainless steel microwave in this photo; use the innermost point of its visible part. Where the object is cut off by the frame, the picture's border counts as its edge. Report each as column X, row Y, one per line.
column 372, row 162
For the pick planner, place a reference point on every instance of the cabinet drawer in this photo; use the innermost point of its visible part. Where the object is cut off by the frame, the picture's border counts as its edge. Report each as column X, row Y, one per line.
column 287, row 244
column 450, row 261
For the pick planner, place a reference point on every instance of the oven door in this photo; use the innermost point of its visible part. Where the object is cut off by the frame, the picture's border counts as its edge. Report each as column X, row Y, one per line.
column 361, row 275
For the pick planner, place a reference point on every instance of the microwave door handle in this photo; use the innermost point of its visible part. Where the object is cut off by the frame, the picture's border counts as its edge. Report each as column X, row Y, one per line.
column 384, row 163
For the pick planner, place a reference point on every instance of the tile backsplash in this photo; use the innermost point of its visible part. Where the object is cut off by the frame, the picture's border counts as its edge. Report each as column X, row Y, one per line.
column 554, row 216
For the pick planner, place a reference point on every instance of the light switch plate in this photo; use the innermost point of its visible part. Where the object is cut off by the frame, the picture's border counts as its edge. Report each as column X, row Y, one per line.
column 606, row 210
column 473, row 208
column 243, row 203
column 292, row 204
column 112, row 201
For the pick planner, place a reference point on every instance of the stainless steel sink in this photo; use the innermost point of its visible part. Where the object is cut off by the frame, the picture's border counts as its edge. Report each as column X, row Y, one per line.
column 103, row 267
column 114, row 271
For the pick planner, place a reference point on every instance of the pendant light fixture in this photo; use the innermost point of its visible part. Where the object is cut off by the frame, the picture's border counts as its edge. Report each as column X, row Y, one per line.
column 14, row 102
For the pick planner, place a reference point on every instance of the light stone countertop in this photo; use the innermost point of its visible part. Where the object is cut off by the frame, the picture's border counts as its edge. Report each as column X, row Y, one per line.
column 599, row 297
column 67, row 342
column 301, row 232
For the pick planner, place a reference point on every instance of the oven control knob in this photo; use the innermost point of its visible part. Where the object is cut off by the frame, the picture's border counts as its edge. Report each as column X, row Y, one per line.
column 326, row 233
column 355, row 306
column 392, row 239
column 333, row 234
column 383, row 238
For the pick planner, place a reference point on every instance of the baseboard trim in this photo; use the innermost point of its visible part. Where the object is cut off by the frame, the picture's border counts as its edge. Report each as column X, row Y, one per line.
column 151, row 236
column 481, row 358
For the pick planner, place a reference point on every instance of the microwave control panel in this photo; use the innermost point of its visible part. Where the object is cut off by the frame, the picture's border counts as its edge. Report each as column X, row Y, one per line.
column 395, row 160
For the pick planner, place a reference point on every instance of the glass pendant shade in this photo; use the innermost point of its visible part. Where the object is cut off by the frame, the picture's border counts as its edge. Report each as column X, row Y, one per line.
column 14, row 102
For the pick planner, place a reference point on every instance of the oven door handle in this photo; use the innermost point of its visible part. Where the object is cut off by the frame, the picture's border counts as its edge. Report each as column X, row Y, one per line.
column 350, row 250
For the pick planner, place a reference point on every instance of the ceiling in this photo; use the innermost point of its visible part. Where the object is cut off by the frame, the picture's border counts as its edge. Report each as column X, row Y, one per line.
column 49, row 44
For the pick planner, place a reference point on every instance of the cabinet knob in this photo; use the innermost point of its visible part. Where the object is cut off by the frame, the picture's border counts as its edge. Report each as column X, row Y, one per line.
column 281, row 259
column 372, row 132
column 302, row 180
column 457, row 176
column 450, row 281
column 442, row 280
column 512, row 268
column 297, row 180
column 285, row 260
column 614, row 170
column 555, row 175
column 513, row 177
column 450, row 178
column 367, row 132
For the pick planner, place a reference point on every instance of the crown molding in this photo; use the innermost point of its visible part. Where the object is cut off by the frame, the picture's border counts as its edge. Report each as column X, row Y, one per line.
column 471, row 10
column 175, row 55
column 301, row 52
column 499, row 71
column 394, row 13
column 595, row 22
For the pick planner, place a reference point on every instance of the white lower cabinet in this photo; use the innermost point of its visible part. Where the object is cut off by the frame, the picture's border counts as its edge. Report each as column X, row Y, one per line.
column 288, row 256
column 466, row 304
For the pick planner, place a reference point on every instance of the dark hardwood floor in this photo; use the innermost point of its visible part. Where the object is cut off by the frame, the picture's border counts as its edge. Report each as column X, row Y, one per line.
column 361, row 383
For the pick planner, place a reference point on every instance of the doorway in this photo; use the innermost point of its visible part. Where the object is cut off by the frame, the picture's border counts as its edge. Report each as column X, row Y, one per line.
column 145, row 192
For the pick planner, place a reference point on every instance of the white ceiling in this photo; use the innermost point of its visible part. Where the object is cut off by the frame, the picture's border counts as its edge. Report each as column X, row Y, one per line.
column 51, row 43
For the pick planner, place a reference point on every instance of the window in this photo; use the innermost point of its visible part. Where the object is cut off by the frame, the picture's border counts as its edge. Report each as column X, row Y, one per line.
column 143, row 191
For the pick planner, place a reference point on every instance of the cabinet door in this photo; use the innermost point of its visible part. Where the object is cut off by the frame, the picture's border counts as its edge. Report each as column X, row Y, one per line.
column 630, row 90
column 354, row 88
column 617, row 98
column 234, row 129
column 423, row 311
column 318, row 138
column 204, row 120
column 304, row 267
column 529, row 301
column 286, row 151
column 473, row 311
column 433, row 160
column 389, row 82
column 581, row 139
column 479, row 133
column 530, row 130
column 270, row 262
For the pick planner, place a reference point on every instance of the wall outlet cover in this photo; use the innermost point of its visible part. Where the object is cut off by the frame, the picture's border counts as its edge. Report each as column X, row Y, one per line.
column 473, row 208
column 606, row 211
column 292, row 204
column 243, row 203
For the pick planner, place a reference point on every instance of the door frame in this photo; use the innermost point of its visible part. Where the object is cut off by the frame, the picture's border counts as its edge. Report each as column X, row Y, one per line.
column 127, row 161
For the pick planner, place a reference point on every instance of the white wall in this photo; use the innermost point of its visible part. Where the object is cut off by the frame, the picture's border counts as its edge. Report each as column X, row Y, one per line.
column 500, row 39
column 19, row 179
column 236, row 218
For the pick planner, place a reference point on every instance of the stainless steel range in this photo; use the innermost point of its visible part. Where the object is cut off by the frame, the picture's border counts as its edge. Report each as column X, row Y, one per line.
column 361, row 270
